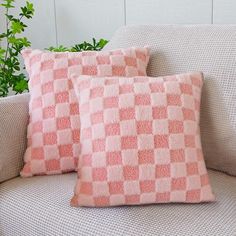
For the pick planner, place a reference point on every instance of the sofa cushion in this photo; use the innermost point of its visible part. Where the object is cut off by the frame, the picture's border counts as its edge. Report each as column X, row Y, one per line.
column 211, row 49
column 40, row 206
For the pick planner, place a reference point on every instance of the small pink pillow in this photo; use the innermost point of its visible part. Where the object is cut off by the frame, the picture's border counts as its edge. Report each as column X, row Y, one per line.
column 54, row 128
column 140, row 141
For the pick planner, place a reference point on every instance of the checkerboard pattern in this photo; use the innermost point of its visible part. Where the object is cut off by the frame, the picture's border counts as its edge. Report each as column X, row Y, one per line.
column 140, row 141
column 54, row 127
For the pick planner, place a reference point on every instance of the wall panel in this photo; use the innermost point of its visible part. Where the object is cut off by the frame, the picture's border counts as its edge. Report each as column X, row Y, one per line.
column 41, row 28
column 72, row 21
column 79, row 20
column 2, row 23
column 168, row 11
column 224, row 12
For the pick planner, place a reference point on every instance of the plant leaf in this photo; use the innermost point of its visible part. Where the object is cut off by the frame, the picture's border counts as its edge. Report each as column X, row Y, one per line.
column 17, row 27
column 8, row 4
column 21, row 85
column 58, row 49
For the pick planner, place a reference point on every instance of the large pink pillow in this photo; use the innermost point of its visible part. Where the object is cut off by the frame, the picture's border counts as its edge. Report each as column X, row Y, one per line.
column 140, row 141
column 54, row 127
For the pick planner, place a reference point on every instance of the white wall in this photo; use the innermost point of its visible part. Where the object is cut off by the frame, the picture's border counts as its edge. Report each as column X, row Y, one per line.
column 168, row 11
column 2, row 20
column 224, row 12
column 68, row 22
column 42, row 27
column 87, row 19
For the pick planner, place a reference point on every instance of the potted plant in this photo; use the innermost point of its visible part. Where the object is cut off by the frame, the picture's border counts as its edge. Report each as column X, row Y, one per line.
column 11, row 76
column 85, row 46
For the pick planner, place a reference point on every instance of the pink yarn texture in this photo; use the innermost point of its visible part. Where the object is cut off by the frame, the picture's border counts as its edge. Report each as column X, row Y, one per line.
column 54, row 126
column 140, row 141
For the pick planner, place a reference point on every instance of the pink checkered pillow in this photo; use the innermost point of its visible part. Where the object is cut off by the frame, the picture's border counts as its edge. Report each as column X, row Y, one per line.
column 54, row 128
column 140, row 141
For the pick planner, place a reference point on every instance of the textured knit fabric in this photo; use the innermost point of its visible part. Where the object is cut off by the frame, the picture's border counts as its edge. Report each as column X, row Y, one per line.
column 40, row 206
column 54, row 128
column 140, row 141
column 13, row 126
column 208, row 48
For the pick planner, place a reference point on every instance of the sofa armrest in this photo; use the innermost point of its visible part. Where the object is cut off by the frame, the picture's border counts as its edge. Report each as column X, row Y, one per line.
column 13, row 131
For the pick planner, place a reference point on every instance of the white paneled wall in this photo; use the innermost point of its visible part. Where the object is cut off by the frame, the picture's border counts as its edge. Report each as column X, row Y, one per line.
column 41, row 30
column 66, row 22
column 87, row 19
column 2, row 21
column 224, row 12
column 168, row 11
column 42, row 27
column 1, row 18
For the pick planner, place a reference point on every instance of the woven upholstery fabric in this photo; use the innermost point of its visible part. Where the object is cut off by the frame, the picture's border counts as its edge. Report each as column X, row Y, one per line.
column 208, row 48
column 13, row 126
column 140, row 141
column 54, row 127
column 40, row 206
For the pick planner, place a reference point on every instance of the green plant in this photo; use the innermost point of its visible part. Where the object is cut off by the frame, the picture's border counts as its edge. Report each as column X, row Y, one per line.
column 85, row 46
column 10, row 76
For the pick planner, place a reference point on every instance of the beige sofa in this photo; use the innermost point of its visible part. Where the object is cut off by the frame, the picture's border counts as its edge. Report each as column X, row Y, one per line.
column 40, row 205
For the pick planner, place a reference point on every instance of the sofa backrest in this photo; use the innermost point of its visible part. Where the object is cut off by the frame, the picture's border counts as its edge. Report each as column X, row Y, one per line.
column 207, row 48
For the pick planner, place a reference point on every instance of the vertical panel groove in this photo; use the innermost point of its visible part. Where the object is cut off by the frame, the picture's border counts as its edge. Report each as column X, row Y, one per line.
column 55, row 21
column 125, row 11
